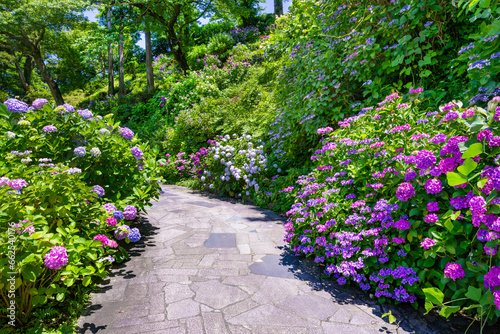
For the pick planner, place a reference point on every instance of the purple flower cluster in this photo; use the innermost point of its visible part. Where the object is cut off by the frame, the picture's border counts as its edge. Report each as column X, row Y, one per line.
column 49, row 128
column 56, row 258
column 14, row 105
column 405, row 191
column 130, row 212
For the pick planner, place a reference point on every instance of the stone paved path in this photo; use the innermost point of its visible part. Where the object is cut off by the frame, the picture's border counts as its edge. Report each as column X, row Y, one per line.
column 205, row 265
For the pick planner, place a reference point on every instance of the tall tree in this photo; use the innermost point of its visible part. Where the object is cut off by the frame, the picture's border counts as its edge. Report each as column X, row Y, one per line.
column 149, row 58
column 121, row 76
column 278, row 7
column 25, row 24
column 111, row 80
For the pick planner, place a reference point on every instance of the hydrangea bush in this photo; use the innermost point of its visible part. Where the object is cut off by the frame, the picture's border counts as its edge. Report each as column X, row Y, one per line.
column 403, row 203
column 68, row 181
column 232, row 166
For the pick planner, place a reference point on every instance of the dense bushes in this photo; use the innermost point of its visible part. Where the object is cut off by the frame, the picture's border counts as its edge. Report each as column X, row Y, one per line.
column 69, row 180
column 338, row 58
column 403, row 201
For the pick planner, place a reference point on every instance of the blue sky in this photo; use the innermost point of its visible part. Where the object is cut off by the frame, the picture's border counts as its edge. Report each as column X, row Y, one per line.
column 268, row 6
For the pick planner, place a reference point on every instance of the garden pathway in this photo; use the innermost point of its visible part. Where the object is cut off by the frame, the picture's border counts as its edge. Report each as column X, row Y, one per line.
column 206, row 265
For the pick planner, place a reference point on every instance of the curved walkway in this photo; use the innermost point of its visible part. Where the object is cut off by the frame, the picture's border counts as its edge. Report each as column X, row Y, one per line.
column 206, row 265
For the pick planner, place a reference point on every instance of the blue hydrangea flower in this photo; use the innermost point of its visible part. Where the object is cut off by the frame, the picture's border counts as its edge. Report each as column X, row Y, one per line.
column 14, row 105
column 80, row 151
column 118, row 215
column 134, row 235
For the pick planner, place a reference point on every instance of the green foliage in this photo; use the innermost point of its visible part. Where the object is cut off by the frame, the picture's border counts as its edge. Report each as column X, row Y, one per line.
column 58, row 205
column 220, row 44
column 338, row 57
column 195, row 55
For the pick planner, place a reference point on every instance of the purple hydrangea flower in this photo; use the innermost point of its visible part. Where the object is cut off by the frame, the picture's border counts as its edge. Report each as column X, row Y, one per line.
column 433, row 206
column 80, row 151
column 431, row 218
column 39, row 103
column 14, row 105
column 425, row 159
column 49, row 128
column 410, row 175
column 4, row 181
column 103, row 131
column 438, row 139
column 98, row 190
column 18, row 184
column 136, row 152
column 405, row 191
column 134, row 235
column 122, row 232
column 433, row 186
column 130, row 212
column 495, row 178
column 56, row 258
column 85, row 113
column 126, row 133
column 477, row 205
column 68, row 107
column 110, row 208
column 454, row 271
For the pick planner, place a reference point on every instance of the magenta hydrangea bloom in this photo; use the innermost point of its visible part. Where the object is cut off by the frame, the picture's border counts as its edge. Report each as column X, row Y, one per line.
column 18, row 184
column 402, row 224
column 102, row 238
column 485, row 134
column 431, row 218
column 454, row 271
column 433, row 186
column 111, row 221
column 56, row 258
column 492, row 278
column 477, row 205
column 425, row 159
column 130, row 212
column 433, row 206
column 405, row 191
column 496, row 294
column 427, row 243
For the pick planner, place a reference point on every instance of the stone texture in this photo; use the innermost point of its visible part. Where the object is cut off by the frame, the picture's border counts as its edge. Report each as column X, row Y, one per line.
column 176, row 283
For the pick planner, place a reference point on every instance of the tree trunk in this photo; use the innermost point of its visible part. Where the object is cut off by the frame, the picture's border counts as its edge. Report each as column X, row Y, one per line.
column 278, row 7
column 176, row 49
column 54, row 88
column 121, row 92
column 22, row 77
column 111, row 79
column 28, row 69
column 149, row 60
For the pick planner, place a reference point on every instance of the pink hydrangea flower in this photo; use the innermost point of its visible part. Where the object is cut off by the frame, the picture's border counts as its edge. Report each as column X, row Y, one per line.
column 454, row 271
column 56, row 258
column 428, row 243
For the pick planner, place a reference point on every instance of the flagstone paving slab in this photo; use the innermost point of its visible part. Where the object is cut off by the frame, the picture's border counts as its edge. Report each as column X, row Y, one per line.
column 212, row 266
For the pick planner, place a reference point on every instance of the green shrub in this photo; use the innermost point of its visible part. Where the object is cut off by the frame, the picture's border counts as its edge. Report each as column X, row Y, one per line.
column 220, row 44
column 60, row 173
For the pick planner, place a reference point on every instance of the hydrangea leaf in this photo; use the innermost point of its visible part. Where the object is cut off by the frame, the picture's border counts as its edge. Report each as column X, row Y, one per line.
column 446, row 311
column 455, row 179
column 473, row 150
column 473, row 293
column 468, row 166
column 433, row 295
